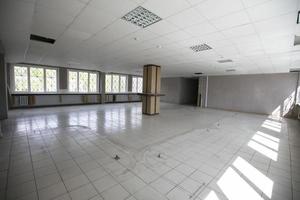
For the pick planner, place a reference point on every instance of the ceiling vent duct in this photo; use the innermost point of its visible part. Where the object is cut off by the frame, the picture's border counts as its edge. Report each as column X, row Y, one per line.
column 230, row 70
column 296, row 40
column 295, row 70
column 200, row 47
column 225, row 61
column 39, row 38
column 141, row 17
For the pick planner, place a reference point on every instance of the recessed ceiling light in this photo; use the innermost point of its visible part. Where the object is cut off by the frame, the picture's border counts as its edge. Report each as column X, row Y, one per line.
column 141, row 17
column 198, row 73
column 200, row 47
column 230, row 70
column 39, row 38
column 225, row 61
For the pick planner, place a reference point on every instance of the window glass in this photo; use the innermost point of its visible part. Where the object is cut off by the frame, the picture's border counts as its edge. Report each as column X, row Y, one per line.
column 51, row 84
column 108, row 83
column 134, row 84
column 73, row 80
column 21, row 79
column 122, row 83
column 115, row 81
column 36, row 79
column 137, row 84
column 83, row 81
column 140, row 85
column 93, row 82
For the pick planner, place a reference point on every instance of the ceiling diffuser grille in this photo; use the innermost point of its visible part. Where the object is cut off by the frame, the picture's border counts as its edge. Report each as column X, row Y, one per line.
column 200, row 47
column 141, row 17
column 39, row 38
column 225, row 61
column 230, row 70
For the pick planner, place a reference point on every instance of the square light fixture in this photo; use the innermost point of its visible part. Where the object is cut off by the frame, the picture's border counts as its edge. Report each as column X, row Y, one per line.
column 141, row 17
column 200, row 47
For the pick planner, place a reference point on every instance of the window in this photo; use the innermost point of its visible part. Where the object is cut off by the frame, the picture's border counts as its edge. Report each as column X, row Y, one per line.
column 82, row 81
column 51, row 84
column 21, row 79
column 35, row 79
column 137, row 84
column 115, row 83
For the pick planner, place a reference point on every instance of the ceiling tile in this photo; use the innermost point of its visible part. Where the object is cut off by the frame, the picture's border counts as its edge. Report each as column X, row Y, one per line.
column 92, row 20
column 201, row 29
column 178, row 36
column 50, row 30
column 166, row 8
column 277, row 26
column 67, row 7
column 272, row 9
column 215, row 8
column 186, row 18
column 117, row 8
column 116, row 31
column 162, row 27
column 231, row 20
column 239, row 31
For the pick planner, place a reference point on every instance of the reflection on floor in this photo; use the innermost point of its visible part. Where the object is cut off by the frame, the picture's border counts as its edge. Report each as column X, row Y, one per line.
column 184, row 153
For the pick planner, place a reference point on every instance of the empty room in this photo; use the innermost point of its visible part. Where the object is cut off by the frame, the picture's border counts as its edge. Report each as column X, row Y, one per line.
column 149, row 99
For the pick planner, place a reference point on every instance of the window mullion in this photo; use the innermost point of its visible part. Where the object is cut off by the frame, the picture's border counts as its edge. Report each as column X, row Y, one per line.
column 45, row 86
column 88, row 82
column 29, row 79
column 77, row 81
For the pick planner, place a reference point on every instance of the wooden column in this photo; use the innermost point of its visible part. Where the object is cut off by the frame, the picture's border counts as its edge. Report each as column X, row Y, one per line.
column 151, row 89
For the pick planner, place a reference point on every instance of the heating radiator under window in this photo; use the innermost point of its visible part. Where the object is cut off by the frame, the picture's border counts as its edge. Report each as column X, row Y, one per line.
column 23, row 100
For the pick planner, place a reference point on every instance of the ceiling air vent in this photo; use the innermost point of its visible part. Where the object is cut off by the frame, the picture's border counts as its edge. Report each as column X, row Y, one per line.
column 39, row 38
column 296, row 40
column 198, row 73
column 225, row 61
column 230, row 70
column 141, row 17
column 200, row 47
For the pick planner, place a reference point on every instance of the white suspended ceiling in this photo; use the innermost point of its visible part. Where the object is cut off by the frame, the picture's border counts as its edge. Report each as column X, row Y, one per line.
column 258, row 35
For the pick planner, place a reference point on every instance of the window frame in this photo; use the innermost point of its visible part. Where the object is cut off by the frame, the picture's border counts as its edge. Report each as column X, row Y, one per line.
column 88, row 87
column 137, row 84
column 111, row 80
column 12, row 76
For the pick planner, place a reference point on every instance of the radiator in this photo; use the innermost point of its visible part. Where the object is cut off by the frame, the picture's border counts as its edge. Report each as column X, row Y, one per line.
column 23, row 100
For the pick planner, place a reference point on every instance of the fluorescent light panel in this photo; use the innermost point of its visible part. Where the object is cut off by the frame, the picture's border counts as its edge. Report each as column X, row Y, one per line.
column 200, row 47
column 141, row 17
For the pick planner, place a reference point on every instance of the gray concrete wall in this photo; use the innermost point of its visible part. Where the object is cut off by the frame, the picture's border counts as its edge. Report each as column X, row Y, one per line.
column 189, row 90
column 261, row 93
column 170, row 87
column 3, row 88
column 179, row 90
column 202, row 80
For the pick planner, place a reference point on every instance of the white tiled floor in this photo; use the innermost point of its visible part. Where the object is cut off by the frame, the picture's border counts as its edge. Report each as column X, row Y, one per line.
column 183, row 153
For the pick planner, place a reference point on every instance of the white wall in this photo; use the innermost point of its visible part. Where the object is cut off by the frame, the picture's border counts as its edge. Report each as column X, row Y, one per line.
column 261, row 93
